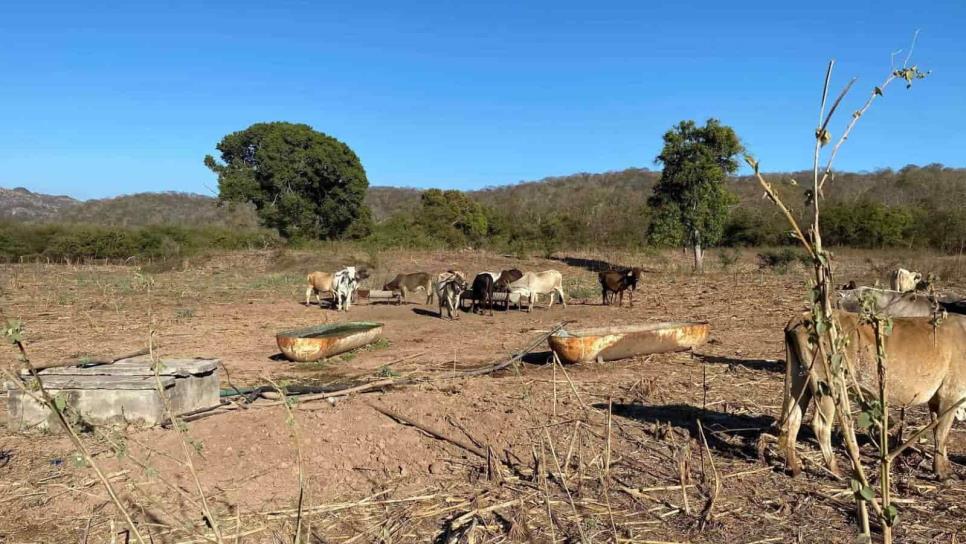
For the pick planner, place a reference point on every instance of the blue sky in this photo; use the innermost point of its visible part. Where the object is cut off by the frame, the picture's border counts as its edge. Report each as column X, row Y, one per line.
column 99, row 99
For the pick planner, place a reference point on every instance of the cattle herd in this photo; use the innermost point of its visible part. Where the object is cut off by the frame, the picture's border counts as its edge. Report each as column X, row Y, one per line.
column 451, row 288
column 926, row 348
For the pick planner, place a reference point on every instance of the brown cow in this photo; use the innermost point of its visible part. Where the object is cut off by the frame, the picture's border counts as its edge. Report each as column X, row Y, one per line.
column 926, row 364
column 503, row 281
column 613, row 283
column 408, row 283
column 319, row 282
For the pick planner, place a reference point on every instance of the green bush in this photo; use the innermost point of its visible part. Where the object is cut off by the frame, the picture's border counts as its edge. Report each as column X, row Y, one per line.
column 780, row 259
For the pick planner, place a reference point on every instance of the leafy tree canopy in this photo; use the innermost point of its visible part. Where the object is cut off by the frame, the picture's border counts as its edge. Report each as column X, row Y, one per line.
column 691, row 192
column 302, row 182
column 452, row 216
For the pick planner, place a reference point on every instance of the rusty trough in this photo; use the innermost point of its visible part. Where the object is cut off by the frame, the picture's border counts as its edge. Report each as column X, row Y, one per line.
column 314, row 343
column 612, row 343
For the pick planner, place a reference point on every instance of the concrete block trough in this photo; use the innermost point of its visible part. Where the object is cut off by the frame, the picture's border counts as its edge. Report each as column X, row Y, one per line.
column 122, row 393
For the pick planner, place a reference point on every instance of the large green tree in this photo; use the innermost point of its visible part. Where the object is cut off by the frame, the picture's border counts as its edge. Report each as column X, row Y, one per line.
column 690, row 200
column 302, row 182
column 452, row 216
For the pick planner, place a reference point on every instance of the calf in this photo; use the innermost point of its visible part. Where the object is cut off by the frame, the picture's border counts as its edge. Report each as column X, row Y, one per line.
column 614, row 283
column 319, row 282
column 407, row 283
column 344, row 285
column 483, row 291
column 904, row 280
column 534, row 284
column 449, row 287
column 925, row 365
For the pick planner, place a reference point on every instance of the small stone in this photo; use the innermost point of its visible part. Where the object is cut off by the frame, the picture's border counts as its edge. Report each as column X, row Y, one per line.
column 436, row 468
column 402, row 470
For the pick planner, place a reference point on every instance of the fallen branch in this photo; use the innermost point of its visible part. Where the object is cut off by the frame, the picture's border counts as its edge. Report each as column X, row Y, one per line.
column 90, row 362
column 479, row 452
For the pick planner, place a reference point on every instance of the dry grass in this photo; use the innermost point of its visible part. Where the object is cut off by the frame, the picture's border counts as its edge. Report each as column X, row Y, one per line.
column 593, row 453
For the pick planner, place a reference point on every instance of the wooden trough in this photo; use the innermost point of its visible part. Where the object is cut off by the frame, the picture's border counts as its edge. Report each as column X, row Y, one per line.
column 122, row 393
column 612, row 343
column 314, row 343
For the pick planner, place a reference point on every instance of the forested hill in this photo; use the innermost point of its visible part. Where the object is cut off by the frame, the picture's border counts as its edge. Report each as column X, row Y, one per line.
column 137, row 210
column 910, row 206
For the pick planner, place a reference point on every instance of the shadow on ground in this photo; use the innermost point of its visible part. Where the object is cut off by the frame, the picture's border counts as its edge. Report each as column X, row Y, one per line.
column 734, row 435
column 771, row 365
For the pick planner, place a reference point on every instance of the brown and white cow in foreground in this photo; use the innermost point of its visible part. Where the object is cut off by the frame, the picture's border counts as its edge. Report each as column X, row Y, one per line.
column 926, row 364
column 904, row 280
column 319, row 282
column 534, row 284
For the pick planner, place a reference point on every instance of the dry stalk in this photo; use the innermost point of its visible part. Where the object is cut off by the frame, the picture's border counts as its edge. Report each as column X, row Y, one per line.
column 829, row 347
column 706, row 516
column 563, row 483
column 293, row 424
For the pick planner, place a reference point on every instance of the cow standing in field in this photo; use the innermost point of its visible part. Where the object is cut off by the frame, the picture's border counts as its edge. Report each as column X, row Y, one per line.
column 904, row 280
column 483, row 291
column 409, row 283
column 925, row 365
column 319, row 282
column 449, row 286
column 502, row 283
column 534, row 284
column 613, row 283
column 344, row 285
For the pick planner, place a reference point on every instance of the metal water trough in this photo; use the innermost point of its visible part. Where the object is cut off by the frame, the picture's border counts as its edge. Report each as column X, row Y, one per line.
column 612, row 343
column 314, row 343
column 378, row 295
column 122, row 393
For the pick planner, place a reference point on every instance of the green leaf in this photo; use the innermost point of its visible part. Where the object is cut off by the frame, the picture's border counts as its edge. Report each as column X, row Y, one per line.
column 867, row 493
column 890, row 514
column 864, row 421
column 60, row 402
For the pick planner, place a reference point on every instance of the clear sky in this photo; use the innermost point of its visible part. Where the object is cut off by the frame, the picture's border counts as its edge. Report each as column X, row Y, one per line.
column 98, row 99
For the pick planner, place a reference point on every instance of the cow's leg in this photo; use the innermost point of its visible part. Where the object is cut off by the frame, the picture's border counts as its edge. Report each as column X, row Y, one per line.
column 603, row 296
column 559, row 291
column 308, row 295
column 798, row 394
column 940, row 462
column 822, row 425
column 630, row 297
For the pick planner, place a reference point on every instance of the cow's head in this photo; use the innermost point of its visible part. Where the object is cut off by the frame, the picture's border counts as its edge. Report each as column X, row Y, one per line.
column 362, row 274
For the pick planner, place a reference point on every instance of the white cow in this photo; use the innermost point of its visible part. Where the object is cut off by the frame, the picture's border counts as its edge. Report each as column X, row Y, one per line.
column 534, row 284
column 449, row 286
column 344, row 285
column 903, row 280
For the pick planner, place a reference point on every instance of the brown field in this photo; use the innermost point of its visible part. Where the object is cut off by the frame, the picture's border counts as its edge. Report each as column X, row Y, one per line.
column 598, row 454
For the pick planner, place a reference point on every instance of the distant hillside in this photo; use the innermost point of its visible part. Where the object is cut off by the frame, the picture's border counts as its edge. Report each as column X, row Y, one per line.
column 561, row 193
column 137, row 210
column 23, row 205
column 169, row 208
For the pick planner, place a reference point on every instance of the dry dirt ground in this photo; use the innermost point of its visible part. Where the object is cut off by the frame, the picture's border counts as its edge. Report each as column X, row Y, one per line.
column 596, row 453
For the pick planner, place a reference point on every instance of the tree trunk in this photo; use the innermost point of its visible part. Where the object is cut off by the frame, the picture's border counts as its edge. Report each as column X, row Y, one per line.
column 698, row 253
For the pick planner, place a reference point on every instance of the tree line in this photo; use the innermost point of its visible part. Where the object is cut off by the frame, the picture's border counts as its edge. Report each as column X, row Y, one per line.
column 284, row 183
